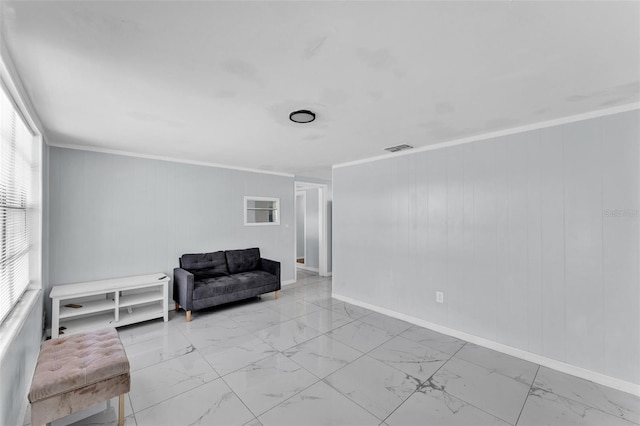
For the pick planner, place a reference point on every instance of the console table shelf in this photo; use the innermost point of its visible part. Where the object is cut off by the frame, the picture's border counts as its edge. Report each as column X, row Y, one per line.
column 122, row 301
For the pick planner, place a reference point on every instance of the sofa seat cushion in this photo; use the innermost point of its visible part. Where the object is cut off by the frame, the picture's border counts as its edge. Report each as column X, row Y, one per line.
column 243, row 260
column 212, row 287
column 256, row 278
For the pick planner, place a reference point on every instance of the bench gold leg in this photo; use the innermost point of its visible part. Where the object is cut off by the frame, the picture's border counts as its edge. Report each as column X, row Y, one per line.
column 188, row 316
column 121, row 410
column 277, row 293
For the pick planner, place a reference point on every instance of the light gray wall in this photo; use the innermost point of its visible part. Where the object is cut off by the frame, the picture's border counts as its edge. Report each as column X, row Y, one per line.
column 300, row 213
column 312, row 236
column 532, row 237
column 113, row 215
column 18, row 363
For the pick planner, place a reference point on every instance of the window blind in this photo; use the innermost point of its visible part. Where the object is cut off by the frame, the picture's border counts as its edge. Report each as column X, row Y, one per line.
column 15, row 185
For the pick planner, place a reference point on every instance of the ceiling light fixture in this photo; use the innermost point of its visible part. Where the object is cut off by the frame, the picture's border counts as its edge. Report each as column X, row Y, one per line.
column 302, row 116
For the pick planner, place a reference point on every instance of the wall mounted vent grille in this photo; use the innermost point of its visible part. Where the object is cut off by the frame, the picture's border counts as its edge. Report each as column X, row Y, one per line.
column 398, row 148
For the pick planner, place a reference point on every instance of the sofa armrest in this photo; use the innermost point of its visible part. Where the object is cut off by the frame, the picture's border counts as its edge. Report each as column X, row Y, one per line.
column 183, row 288
column 272, row 267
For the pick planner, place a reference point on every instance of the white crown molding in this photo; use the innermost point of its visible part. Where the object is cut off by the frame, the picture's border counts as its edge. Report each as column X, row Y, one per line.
column 506, row 132
column 593, row 376
column 163, row 158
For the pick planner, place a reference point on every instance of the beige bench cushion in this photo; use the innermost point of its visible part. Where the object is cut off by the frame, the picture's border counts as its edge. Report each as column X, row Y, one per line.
column 76, row 361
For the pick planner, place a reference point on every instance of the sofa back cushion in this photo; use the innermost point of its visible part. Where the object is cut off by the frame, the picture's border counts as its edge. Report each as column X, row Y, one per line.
column 243, row 260
column 205, row 265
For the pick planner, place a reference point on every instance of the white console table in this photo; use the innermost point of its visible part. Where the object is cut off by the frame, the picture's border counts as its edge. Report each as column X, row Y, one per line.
column 108, row 303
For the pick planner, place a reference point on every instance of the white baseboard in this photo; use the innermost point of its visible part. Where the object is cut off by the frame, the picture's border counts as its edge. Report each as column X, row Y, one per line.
column 583, row 373
column 307, row 268
column 287, row 282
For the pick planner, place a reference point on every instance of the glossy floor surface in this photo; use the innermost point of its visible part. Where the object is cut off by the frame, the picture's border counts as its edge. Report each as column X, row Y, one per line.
column 308, row 359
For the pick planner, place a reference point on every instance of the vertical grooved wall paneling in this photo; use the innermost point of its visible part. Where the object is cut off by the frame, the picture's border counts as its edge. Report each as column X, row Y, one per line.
column 532, row 237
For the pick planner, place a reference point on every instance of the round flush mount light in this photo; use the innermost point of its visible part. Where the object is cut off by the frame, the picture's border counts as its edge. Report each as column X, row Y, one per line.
column 302, row 116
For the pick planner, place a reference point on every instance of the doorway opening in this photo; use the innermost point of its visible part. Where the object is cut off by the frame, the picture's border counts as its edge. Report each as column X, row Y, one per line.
column 312, row 235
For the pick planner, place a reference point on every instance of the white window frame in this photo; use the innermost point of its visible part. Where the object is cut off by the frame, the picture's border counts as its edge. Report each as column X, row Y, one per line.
column 12, row 323
column 276, row 210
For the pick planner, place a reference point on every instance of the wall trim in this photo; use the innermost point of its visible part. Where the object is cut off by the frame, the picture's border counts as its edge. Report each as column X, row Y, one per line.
column 163, row 158
column 583, row 373
column 306, row 268
column 287, row 282
column 506, row 132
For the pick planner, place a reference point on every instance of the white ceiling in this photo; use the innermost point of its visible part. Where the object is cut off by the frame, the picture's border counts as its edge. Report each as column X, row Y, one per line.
column 215, row 81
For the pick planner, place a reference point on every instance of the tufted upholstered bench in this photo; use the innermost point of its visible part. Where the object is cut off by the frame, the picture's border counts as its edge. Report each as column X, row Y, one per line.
column 77, row 371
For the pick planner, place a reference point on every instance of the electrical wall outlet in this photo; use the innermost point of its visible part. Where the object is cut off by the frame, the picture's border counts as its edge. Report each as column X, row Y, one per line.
column 439, row 296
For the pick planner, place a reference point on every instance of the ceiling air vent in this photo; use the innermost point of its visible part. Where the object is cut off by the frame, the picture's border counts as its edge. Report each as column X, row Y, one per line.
column 398, row 148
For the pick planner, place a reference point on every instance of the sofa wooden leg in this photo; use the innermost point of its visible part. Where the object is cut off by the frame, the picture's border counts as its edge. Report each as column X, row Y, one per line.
column 121, row 410
column 277, row 293
column 188, row 316
column 177, row 306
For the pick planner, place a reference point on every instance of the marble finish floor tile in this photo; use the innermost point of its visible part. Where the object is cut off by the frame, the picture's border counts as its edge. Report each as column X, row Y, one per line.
column 325, row 320
column 213, row 403
column 494, row 393
column 318, row 405
column 310, row 289
column 258, row 319
column 236, row 352
column 361, row 336
column 366, row 369
column 105, row 418
column 211, row 330
column 293, row 309
column 507, row 365
column 322, row 355
column 144, row 353
column 236, row 308
column 99, row 414
column 433, row 339
column 611, row 401
column 375, row 386
column 165, row 380
column 392, row 325
column 267, row 383
column 546, row 408
column 287, row 334
column 351, row 311
column 431, row 406
column 318, row 299
column 329, row 303
column 147, row 330
column 410, row 357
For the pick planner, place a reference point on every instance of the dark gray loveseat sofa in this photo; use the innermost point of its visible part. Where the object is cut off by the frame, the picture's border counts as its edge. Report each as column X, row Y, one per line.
column 204, row 280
